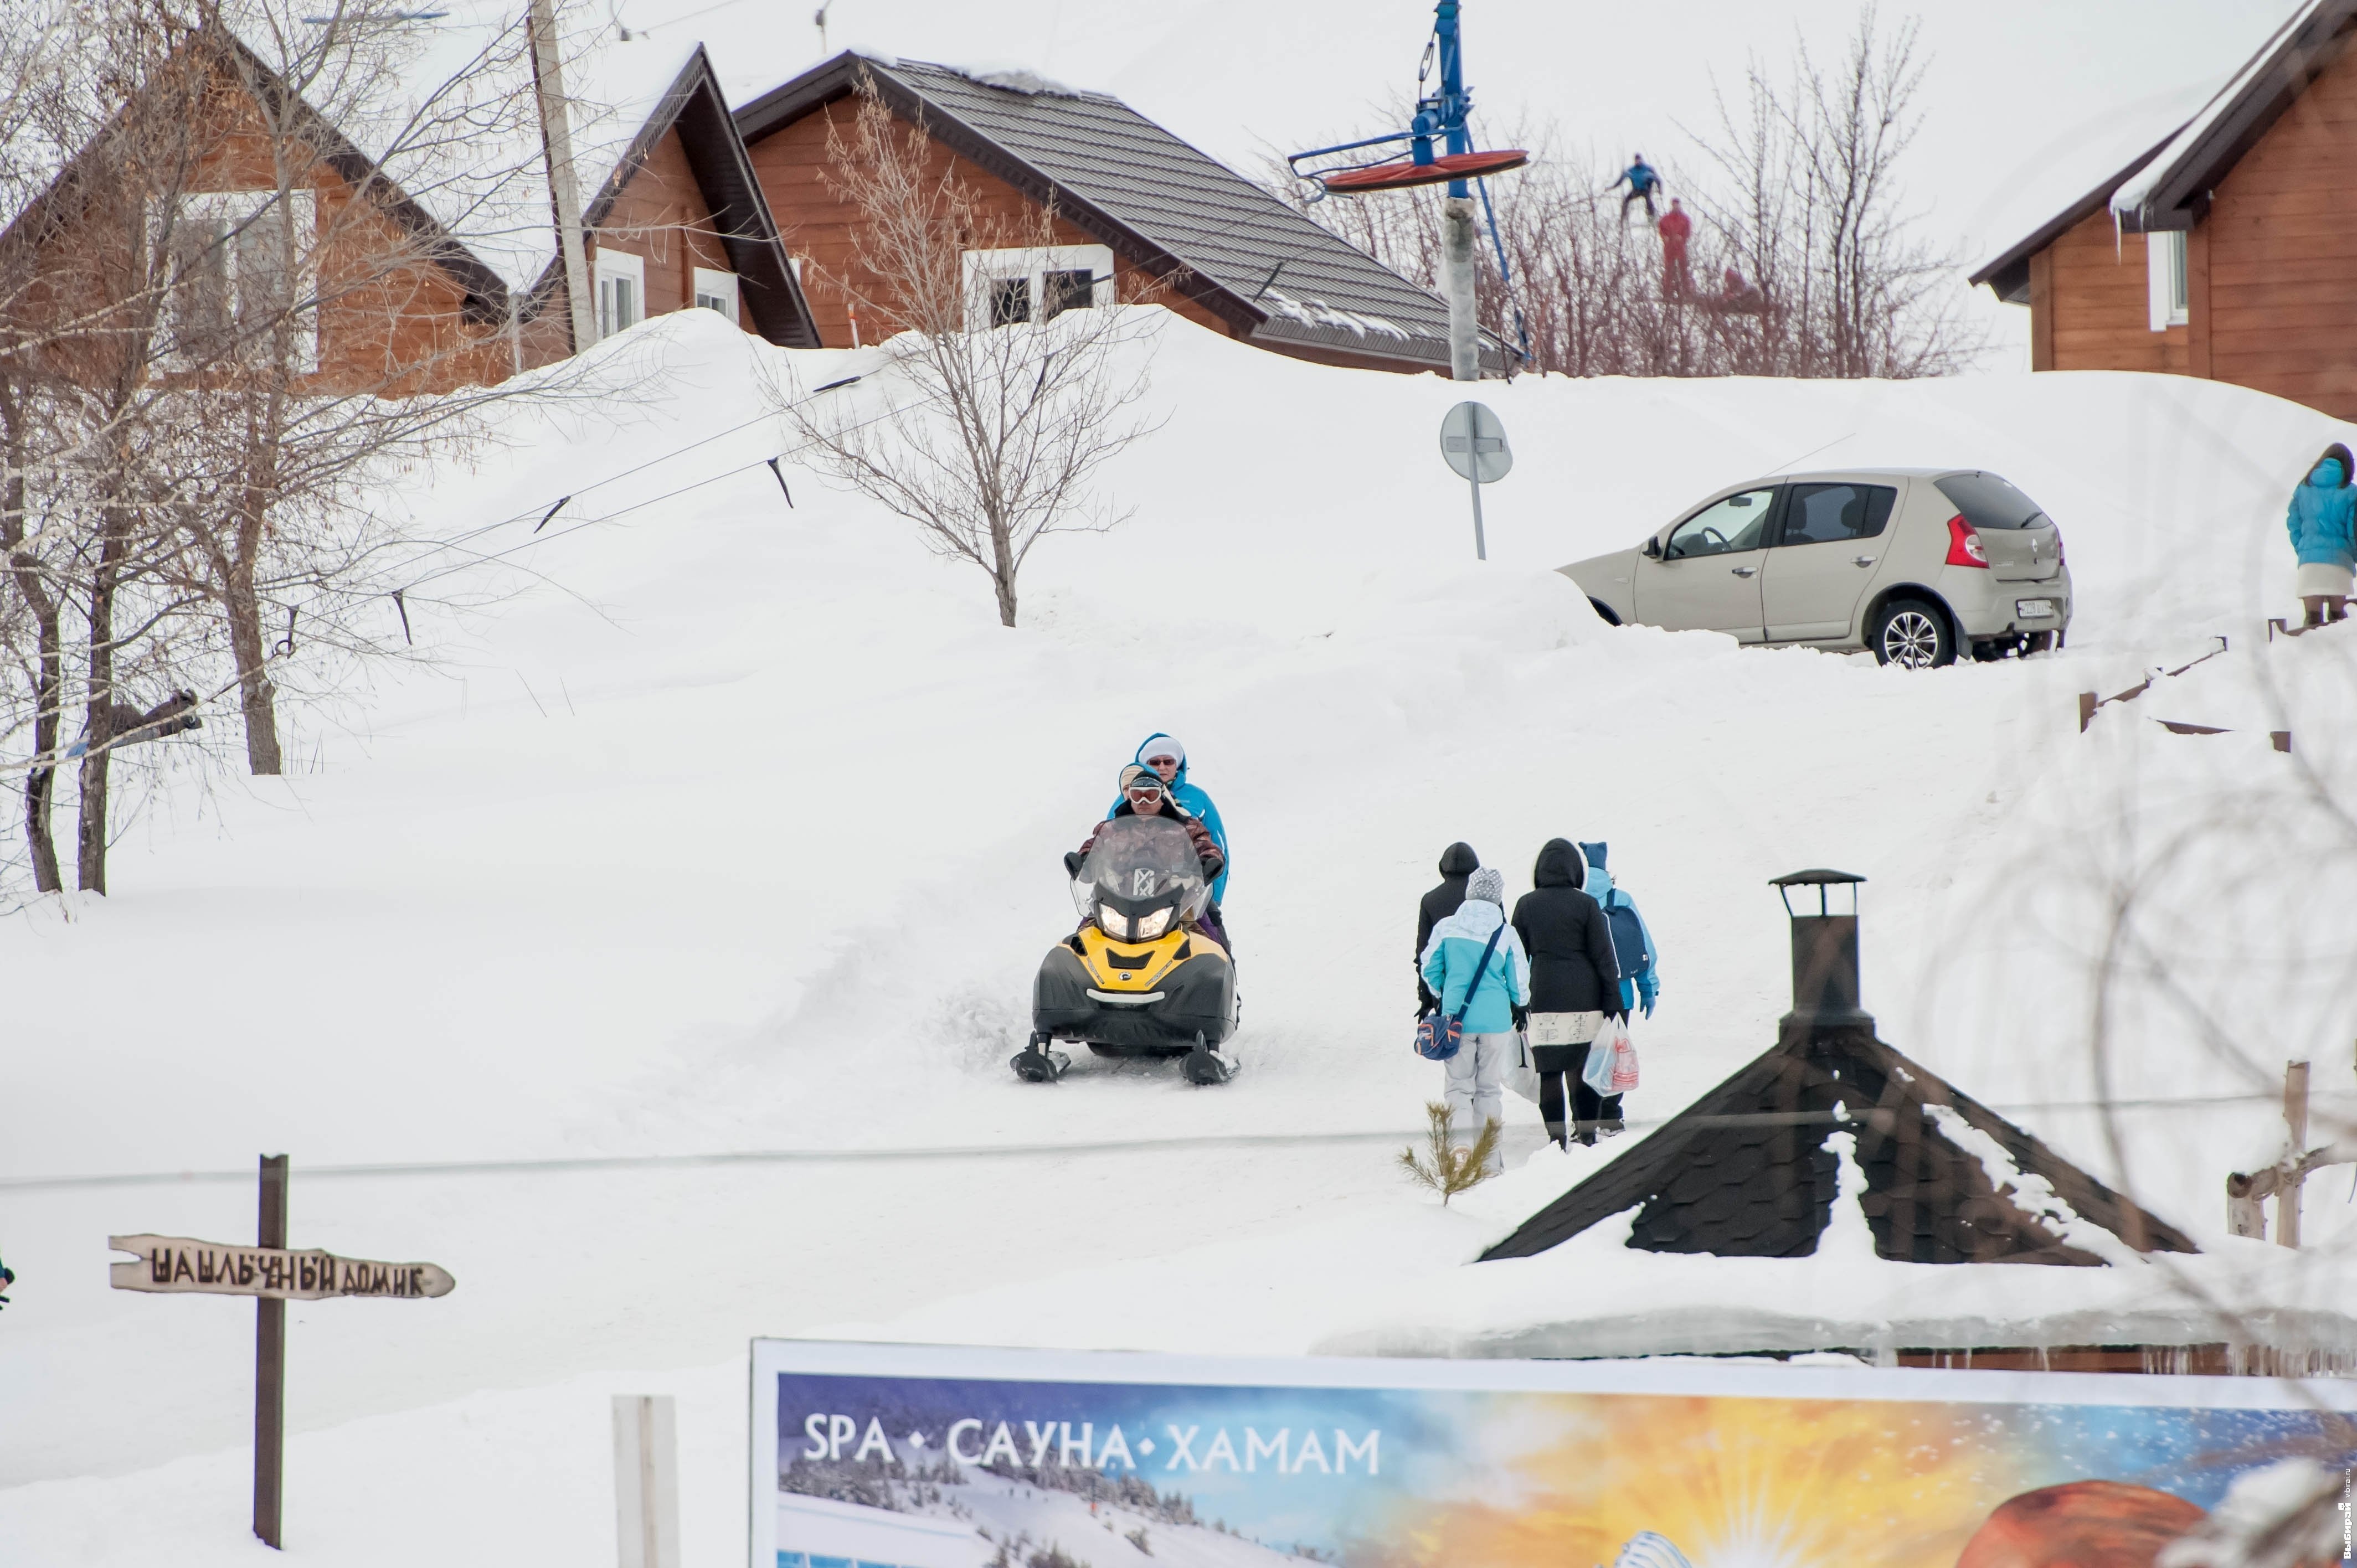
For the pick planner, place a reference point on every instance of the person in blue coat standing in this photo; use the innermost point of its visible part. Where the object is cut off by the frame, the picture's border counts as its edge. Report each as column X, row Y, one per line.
column 1477, row 1073
column 1163, row 753
column 1640, row 980
column 2322, row 519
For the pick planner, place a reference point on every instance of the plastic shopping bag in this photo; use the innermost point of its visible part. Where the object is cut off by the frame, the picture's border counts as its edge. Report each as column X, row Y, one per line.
column 1522, row 1073
column 1611, row 1065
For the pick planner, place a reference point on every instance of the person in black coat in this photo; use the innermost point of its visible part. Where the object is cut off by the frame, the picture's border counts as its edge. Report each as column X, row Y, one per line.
column 1458, row 861
column 1573, row 972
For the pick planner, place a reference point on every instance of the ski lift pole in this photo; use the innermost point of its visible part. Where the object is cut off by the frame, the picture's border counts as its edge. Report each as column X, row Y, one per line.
column 1445, row 116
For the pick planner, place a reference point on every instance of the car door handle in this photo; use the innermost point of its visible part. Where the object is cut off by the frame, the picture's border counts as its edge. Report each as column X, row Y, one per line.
column 1861, row 560
column 1745, row 571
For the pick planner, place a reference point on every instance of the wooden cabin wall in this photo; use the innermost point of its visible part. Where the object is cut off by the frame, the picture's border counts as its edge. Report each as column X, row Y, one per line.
column 661, row 217
column 2098, row 315
column 2283, row 253
column 793, row 168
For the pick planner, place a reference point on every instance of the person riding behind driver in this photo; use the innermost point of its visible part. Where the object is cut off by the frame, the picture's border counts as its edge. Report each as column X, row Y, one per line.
column 1143, row 794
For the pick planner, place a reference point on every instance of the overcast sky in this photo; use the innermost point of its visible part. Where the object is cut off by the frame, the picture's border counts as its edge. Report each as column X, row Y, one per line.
column 2026, row 100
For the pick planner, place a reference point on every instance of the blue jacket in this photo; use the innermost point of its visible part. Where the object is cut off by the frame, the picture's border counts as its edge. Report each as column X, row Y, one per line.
column 1196, row 804
column 1454, row 951
column 1638, row 176
column 1646, row 984
column 2323, row 518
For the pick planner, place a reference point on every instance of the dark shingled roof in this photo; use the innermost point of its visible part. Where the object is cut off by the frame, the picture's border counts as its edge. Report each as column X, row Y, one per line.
column 1745, row 1171
column 1275, row 275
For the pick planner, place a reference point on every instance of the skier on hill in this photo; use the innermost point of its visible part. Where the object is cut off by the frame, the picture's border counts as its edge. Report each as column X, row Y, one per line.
column 1675, row 227
column 1450, row 961
column 1458, row 861
column 1643, row 179
column 1575, row 986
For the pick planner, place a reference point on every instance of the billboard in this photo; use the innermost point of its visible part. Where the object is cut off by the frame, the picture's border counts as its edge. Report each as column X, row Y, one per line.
column 935, row 1456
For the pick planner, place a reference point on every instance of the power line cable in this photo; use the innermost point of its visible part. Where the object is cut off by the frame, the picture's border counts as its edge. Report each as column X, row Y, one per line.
column 572, row 1165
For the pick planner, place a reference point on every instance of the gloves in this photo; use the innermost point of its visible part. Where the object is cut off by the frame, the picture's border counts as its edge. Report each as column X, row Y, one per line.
column 1648, row 988
column 1521, row 1017
column 1072, row 864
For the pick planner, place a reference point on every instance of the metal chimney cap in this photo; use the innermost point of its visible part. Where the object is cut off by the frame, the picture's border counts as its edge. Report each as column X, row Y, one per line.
column 1818, row 877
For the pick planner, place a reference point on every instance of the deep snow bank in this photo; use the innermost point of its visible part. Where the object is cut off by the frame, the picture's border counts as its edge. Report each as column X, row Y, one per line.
column 737, row 826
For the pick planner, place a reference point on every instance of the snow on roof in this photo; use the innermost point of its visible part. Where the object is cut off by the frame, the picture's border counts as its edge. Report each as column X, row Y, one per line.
column 2135, row 192
column 1595, row 1295
column 2076, row 165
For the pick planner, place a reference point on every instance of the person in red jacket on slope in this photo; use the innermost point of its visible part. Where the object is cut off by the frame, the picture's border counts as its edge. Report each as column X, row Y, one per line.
column 1675, row 227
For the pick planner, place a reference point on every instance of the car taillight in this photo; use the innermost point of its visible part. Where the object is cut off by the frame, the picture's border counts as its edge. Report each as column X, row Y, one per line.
column 1965, row 543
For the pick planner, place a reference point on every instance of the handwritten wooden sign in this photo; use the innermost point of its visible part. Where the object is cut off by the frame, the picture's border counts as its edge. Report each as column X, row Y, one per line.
column 181, row 1264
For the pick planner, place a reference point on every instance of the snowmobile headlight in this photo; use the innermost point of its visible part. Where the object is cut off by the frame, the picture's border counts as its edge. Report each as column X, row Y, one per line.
column 1114, row 922
column 1149, row 926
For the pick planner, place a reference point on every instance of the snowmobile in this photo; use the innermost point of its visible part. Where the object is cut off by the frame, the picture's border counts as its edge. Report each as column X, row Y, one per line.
column 1139, row 978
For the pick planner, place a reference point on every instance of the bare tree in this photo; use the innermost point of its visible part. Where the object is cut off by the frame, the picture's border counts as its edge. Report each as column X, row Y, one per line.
column 1011, row 392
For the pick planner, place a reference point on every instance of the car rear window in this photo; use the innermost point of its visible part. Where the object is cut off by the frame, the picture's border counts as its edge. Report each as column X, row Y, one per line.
column 1988, row 502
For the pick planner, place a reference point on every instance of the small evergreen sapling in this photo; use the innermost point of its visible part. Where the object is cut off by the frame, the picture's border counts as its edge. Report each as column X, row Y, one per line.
column 1450, row 1170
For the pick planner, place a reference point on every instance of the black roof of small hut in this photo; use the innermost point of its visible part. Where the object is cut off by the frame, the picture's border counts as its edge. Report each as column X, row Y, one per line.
column 1747, row 1171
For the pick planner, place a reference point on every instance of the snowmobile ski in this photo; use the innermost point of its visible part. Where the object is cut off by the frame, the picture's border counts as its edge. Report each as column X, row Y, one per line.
column 1205, row 1066
column 1039, row 1062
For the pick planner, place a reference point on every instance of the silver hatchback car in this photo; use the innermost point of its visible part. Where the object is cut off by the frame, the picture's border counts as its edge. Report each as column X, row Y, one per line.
column 1919, row 564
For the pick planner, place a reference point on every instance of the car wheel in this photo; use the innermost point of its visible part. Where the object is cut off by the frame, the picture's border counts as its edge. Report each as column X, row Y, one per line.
column 1913, row 635
column 2039, row 642
column 1604, row 613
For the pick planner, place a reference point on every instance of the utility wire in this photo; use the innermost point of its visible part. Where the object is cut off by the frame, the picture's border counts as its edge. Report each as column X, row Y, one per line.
column 934, row 1153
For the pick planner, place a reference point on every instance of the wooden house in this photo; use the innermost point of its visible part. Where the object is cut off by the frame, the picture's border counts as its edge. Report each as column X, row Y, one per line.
column 2223, row 252
column 1131, row 206
column 452, row 283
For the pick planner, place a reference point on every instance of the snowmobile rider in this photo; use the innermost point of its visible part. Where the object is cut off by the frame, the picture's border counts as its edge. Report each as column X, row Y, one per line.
column 1163, row 753
column 1144, row 795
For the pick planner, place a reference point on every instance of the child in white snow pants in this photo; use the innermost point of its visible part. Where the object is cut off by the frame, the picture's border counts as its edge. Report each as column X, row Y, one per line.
column 1475, row 964
column 1476, row 1079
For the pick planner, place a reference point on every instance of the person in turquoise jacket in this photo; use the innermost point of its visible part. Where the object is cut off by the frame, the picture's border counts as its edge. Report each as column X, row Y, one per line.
column 2322, row 519
column 1163, row 753
column 1477, row 1073
column 1646, row 983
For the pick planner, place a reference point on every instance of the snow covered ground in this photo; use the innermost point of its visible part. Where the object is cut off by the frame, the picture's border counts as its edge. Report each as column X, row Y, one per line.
column 736, row 828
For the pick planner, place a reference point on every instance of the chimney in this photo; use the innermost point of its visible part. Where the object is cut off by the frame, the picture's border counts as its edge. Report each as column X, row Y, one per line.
column 1824, row 960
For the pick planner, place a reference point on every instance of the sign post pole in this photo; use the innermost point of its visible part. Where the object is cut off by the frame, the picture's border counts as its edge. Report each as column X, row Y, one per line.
column 273, row 1274
column 270, row 1366
column 1473, row 443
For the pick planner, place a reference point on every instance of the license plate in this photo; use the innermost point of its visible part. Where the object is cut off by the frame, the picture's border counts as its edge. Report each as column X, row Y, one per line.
column 2033, row 609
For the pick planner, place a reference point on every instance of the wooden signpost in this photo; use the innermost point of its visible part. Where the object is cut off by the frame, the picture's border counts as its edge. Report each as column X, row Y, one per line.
column 274, row 1275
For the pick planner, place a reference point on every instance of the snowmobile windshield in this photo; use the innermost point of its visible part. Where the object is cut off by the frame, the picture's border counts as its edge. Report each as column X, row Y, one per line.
column 1141, row 879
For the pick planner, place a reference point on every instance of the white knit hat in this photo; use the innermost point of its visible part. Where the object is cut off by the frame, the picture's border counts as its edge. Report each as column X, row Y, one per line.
column 1162, row 745
column 1489, row 884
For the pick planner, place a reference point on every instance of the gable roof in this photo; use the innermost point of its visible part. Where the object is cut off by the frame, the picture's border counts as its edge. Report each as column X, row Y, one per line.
column 694, row 105
column 1271, row 272
column 2173, row 189
column 2008, row 271
column 1746, row 1172
column 484, row 292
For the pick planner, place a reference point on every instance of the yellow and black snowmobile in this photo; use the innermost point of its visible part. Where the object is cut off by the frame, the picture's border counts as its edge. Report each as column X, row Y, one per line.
column 1139, row 978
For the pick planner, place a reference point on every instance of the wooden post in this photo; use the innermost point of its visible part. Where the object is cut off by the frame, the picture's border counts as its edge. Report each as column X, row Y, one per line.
column 646, row 1480
column 2088, row 704
column 2296, row 1124
column 270, row 1368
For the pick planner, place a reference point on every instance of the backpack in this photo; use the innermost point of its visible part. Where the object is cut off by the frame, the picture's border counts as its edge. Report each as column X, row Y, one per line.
column 1627, row 935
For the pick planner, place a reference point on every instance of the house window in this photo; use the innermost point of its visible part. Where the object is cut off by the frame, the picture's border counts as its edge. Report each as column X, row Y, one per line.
column 1010, row 301
column 231, row 284
column 622, row 291
column 2165, row 272
column 715, row 291
column 1037, row 284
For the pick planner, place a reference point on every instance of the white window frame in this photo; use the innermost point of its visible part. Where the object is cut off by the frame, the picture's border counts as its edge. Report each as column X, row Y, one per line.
column 619, row 266
column 717, row 287
column 250, row 206
column 2167, row 293
column 1032, row 264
